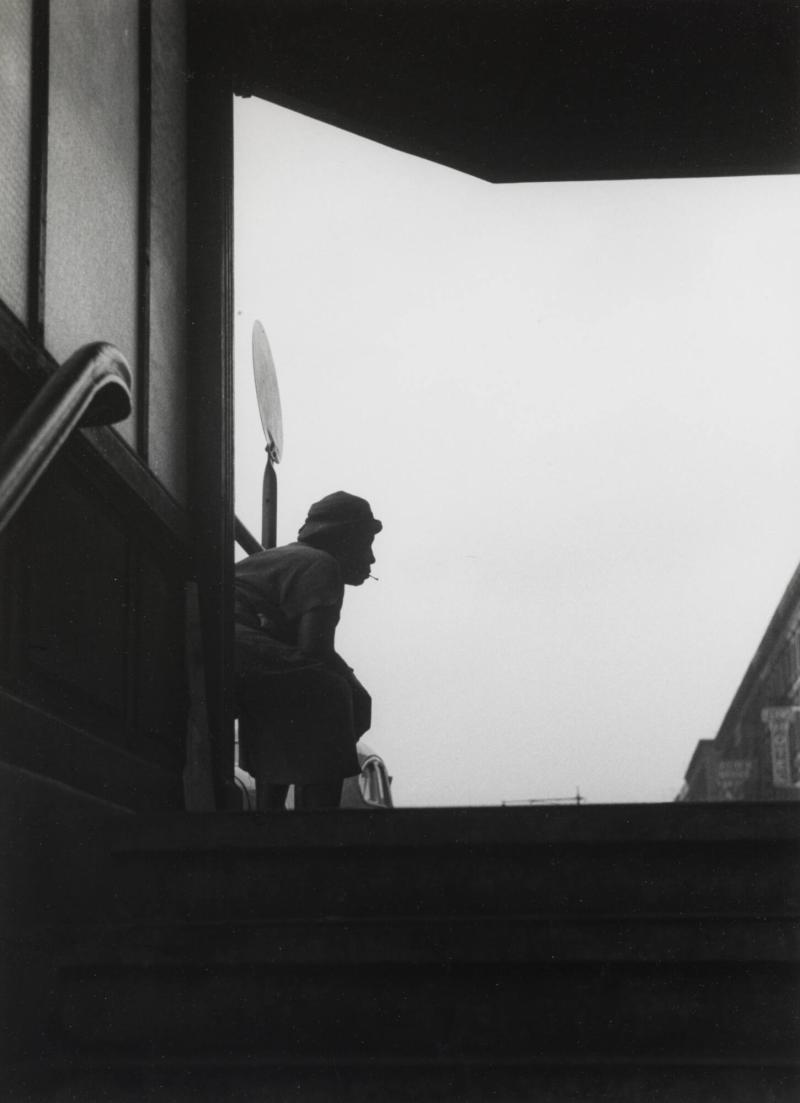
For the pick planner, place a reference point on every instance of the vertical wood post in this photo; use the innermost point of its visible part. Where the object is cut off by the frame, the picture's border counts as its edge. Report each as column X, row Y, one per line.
column 210, row 348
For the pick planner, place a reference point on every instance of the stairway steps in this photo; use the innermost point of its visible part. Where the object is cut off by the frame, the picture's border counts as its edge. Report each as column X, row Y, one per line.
column 505, row 826
column 216, row 1079
column 623, row 953
column 437, row 861
column 440, row 940
column 474, row 1010
column 236, row 887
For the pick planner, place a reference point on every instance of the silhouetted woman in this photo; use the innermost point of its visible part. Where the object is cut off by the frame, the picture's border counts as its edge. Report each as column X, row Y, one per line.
column 301, row 709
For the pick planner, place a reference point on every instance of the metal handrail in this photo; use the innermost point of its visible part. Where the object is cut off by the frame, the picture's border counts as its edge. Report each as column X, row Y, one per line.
column 245, row 539
column 92, row 387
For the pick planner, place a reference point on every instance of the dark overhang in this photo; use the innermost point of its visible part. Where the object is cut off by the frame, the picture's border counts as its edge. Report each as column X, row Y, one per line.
column 515, row 90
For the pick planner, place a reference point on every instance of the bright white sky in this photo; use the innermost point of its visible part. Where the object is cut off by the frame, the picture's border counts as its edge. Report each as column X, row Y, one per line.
column 573, row 405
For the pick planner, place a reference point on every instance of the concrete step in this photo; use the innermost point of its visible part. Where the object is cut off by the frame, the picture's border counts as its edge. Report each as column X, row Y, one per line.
column 647, row 859
column 433, row 940
column 489, row 1010
column 215, row 1080
column 467, row 987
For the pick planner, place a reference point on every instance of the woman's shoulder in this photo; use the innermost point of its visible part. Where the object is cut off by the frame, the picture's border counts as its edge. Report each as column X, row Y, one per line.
column 291, row 562
column 295, row 554
column 301, row 558
column 307, row 552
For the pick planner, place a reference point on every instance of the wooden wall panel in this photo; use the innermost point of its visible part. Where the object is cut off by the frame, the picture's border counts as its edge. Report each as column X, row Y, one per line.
column 77, row 610
column 161, row 701
column 93, row 569
column 12, row 575
column 92, row 577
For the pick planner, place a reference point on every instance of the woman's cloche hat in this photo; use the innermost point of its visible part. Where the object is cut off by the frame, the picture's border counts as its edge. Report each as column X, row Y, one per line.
column 336, row 511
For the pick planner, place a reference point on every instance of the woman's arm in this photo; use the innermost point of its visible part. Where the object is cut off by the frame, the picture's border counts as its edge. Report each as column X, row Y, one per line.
column 316, row 632
column 315, row 638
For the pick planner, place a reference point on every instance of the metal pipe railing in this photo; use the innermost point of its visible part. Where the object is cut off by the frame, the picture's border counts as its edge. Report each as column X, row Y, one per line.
column 92, row 387
column 245, row 539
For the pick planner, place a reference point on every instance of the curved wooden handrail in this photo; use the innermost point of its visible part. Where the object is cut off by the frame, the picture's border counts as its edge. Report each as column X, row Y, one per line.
column 92, row 387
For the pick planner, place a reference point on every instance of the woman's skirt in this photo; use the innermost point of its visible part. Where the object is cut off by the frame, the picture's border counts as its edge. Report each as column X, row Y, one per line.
column 299, row 720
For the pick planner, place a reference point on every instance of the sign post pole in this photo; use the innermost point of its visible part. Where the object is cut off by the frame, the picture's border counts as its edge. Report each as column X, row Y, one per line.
column 269, row 408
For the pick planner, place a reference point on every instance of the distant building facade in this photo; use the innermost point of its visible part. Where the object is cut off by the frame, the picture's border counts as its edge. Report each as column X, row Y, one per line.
column 756, row 753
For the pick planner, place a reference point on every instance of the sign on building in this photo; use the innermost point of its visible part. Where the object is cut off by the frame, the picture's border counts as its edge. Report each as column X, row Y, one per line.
column 784, row 745
column 733, row 775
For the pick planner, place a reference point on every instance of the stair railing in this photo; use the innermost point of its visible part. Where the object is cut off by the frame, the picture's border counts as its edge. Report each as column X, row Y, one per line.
column 92, row 387
column 245, row 539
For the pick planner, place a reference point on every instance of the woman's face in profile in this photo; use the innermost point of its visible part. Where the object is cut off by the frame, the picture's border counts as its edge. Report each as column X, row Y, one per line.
column 355, row 559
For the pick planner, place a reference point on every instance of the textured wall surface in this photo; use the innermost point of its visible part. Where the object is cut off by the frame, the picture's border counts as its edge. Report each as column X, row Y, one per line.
column 168, row 370
column 92, row 218
column 15, row 92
